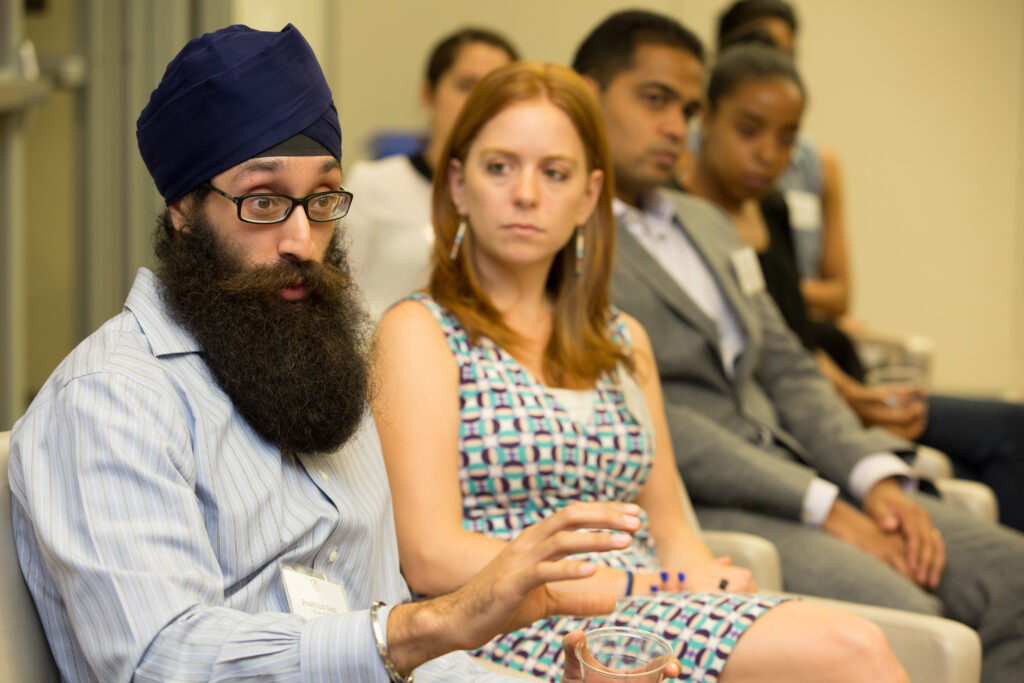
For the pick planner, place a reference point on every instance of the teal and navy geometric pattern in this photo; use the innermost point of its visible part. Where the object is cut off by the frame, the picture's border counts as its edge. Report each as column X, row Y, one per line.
column 522, row 457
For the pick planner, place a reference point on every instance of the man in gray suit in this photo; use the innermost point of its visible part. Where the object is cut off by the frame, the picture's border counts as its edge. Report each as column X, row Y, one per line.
column 762, row 441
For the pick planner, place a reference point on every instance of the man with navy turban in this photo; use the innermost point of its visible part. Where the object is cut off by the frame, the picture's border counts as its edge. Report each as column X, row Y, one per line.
column 198, row 488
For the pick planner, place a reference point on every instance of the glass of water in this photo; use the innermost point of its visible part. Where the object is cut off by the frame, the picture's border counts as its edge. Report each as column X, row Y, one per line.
column 621, row 655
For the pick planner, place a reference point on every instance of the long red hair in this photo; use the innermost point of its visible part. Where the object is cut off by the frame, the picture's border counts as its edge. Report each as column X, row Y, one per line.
column 580, row 347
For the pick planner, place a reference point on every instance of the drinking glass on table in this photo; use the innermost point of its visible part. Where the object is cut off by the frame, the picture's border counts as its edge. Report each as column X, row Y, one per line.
column 623, row 655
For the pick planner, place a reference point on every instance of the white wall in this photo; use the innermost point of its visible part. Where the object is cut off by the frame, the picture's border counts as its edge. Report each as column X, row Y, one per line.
column 383, row 47
column 313, row 17
column 923, row 100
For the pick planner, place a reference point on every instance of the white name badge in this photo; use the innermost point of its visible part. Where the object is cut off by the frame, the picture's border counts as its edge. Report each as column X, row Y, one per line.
column 311, row 595
column 804, row 210
column 748, row 270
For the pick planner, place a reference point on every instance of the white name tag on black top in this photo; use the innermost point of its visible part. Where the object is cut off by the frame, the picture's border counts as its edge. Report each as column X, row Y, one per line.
column 748, row 270
column 804, row 210
column 311, row 595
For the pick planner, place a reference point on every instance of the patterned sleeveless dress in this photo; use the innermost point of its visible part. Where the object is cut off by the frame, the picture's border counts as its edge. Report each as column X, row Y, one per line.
column 522, row 457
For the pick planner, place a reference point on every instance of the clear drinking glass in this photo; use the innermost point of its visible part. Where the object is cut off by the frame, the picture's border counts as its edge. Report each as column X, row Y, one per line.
column 905, row 383
column 621, row 655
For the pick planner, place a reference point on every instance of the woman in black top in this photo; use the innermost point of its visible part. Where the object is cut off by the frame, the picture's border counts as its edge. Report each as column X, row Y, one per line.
column 755, row 103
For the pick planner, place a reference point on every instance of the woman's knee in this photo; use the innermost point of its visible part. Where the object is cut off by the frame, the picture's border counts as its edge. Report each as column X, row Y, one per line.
column 806, row 641
column 861, row 648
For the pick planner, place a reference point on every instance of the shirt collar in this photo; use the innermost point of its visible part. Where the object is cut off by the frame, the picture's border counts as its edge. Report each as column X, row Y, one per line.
column 655, row 203
column 165, row 335
column 656, row 209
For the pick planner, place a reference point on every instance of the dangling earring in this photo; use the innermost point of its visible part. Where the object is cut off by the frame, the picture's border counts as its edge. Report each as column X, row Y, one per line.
column 579, row 251
column 459, row 235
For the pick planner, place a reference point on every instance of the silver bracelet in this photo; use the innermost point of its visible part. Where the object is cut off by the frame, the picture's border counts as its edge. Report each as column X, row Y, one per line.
column 382, row 646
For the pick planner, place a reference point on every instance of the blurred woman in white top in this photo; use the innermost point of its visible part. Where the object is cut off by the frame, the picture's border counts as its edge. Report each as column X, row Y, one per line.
column 390, row 234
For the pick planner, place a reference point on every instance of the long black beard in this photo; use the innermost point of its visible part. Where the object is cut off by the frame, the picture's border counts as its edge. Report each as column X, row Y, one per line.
column 295, row 370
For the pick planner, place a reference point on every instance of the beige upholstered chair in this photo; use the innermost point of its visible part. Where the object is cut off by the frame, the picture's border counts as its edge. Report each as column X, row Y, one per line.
column 971, row 496
column 880, row 349
column 931, row 649
column 24, row 653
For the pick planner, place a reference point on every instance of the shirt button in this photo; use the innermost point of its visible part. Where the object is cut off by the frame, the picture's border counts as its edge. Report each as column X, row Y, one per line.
column 333, row 556
column 323, row 475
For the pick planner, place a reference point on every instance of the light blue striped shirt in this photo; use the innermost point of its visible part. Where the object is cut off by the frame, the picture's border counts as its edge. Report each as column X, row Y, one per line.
column 152, row 523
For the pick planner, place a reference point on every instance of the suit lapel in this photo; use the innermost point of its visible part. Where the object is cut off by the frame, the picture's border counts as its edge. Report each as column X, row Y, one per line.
column 631, row 253
column 716, row 250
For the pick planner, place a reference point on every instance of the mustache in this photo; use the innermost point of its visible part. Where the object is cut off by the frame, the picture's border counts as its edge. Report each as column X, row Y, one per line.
column 322, row 280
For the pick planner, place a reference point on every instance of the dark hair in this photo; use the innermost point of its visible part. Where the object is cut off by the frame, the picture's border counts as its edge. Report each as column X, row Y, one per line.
column 610, row 47
column 741, row 13
column 165, row 225
column 446, row 51
column 750, row 62
column 749, row 35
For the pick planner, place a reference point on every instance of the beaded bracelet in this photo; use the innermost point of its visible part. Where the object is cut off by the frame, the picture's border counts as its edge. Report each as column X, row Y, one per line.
column 382, row 646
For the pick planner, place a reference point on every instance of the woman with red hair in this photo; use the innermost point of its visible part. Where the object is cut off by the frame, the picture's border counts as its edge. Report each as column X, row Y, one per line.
column 511, row 388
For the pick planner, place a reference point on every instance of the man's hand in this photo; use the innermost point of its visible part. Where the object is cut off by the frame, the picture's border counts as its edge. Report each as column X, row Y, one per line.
column 901, row 410
column 511, row 591
column 573, row 671
column 849, row 524
column 895, row 511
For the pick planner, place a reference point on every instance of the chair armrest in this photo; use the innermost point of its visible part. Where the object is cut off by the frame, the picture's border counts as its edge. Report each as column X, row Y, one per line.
column 879, row 349
column 504, row 671
column 972, row 496
column 930, row 648
column 24, row 652
column 932, row 463
column 757, row 554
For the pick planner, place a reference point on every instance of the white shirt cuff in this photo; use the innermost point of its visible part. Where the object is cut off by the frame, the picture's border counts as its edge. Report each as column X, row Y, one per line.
column 878, row 466
column 818, row 501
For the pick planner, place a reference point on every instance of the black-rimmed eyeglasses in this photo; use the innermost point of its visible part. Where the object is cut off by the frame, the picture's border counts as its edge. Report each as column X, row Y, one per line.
column 264, row 207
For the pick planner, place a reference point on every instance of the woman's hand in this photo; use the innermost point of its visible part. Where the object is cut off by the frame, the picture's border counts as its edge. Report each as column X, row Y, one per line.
column 705, row 577
column 901, row 410
column 719, row 575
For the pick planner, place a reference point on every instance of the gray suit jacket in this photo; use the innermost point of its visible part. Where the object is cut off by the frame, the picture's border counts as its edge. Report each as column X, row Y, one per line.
column 755, row 440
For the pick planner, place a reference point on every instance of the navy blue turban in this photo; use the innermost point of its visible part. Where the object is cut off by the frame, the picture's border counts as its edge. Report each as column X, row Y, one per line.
column 228, row 96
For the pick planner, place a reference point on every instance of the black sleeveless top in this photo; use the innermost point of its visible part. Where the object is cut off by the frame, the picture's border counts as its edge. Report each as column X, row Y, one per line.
column 778, row 263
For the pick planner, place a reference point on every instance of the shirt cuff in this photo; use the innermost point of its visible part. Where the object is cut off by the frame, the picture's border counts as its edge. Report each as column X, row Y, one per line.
column 341, row 648
column 818, row 501
column 878, row 466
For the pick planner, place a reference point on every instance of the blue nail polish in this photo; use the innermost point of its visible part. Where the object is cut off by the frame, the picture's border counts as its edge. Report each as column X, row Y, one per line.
column 682, row 577
column 654, row 589
column 664, row 577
